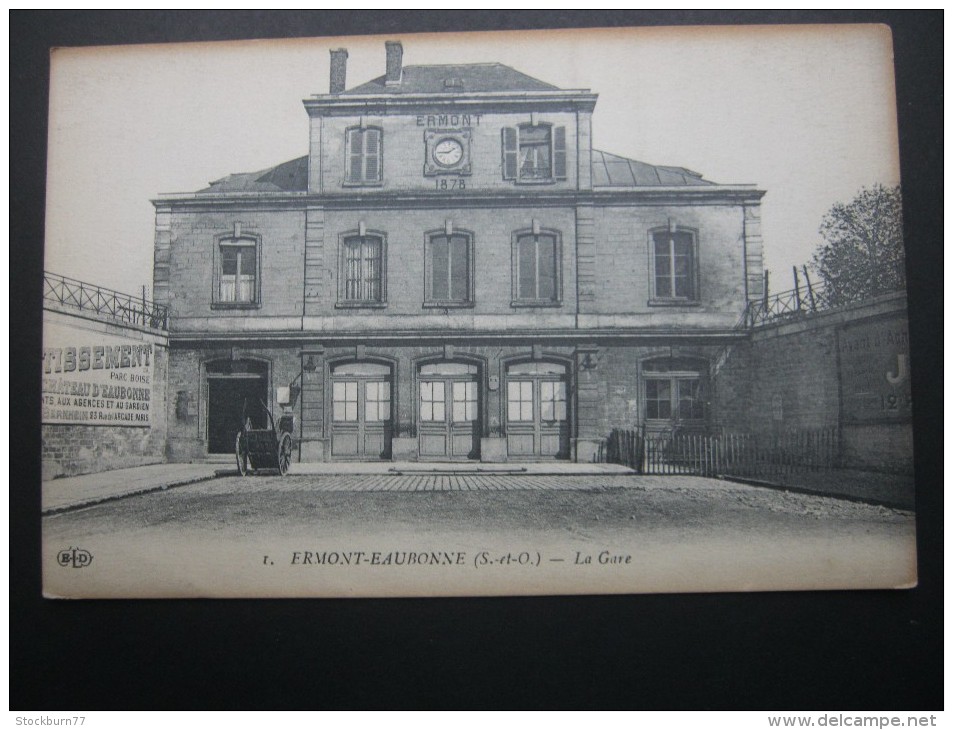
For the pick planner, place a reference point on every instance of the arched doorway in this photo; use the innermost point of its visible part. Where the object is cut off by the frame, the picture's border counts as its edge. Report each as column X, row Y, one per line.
column 361, row 408
column 448, row 409
column 537, row 410
column 235, row 387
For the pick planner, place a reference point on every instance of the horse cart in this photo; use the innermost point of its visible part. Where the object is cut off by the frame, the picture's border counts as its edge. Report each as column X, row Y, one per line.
column 263, row 448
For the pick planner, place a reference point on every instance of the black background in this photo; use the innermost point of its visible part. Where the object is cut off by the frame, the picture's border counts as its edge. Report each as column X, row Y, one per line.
column 833, row 650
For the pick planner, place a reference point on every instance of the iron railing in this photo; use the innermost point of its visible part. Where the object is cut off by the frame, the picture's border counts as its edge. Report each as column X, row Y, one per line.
column 806, row 299
column 809, row 297
column 766, row 456
column 91, row 298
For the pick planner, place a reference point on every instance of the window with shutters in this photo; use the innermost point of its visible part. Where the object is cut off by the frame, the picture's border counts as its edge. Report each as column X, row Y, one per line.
column 534, row 153
column 673, row 262
column 237, row 271
column 364, row 156
column 536, row 269
column 448, row 269
column 362, row 271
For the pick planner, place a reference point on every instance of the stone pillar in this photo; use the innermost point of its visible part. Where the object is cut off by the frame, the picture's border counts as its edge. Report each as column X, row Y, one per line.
column 162, row 256
column 584, row 149
column 754, row 257
column 313, row 439
column 585, row 258
column 315, row 271
column 493, row 443
column 590, row 404
column 404, row 442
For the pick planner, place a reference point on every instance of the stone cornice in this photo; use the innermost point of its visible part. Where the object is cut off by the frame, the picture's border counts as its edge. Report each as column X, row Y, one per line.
column 618, row 335
column 477, row 102
column 649, row 195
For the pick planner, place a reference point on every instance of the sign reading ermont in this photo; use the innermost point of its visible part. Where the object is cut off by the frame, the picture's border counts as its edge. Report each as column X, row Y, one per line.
column 96, row 379
column 875, row 371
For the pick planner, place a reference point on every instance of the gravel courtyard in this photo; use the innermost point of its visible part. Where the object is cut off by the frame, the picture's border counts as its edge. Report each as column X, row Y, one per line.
column 248, row 536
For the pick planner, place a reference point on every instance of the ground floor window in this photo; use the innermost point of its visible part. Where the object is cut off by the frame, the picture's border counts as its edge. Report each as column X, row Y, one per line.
column 675, row 391
column 679, row 396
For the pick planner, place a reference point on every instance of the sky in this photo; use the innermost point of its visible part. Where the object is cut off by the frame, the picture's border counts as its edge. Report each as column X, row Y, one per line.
column 806, row 113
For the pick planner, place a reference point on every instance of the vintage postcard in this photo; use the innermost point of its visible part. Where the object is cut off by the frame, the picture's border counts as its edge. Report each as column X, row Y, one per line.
column 555, row 312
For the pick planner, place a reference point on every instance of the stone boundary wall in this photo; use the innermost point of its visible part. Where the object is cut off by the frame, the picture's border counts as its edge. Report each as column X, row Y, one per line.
column 802, row 374
column 75, row 448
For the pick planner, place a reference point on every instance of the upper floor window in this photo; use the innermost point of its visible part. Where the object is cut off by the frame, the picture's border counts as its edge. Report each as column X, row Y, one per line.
column 362, row 270
column 364, row 153
column 237, row 271
column 536, row 269
column 674, row 266
column 448, row 269
column 534, row 153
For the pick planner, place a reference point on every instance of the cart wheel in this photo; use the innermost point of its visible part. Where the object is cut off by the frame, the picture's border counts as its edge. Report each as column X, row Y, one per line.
column 241, row 454
column 284, row 453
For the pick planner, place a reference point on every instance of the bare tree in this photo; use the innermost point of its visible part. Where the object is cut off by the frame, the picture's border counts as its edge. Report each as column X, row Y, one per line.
column 862, row 254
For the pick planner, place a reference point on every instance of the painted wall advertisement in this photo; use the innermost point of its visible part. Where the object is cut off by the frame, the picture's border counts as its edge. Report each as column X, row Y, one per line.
column 875, row 371
column 95, row 379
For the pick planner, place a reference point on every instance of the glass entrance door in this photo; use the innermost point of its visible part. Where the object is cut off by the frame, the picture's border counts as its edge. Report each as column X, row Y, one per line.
column 537, row 423
column 449, row 411
column 361, row 411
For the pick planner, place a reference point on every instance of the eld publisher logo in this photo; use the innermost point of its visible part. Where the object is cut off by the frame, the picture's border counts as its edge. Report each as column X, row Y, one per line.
column 74, row 557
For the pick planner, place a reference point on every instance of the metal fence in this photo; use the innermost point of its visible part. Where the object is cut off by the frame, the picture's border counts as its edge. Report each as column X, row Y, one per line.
column 810, row 297
column 740, row 454
column 88, row 297
column 805, row 298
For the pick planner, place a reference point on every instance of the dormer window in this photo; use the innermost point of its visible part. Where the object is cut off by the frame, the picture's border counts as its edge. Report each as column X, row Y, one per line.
column 534, row 153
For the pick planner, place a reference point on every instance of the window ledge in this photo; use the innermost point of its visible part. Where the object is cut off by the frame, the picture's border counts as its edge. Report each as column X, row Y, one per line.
column 448, row 305
column 360, row 305
column 535, row 303
column 235, row 305
column 360, row 184
column 534, row 181
column 674, row 303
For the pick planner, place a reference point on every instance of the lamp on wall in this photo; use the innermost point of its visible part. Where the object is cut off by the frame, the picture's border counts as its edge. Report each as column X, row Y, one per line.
column 589, row 359
column 310, row 365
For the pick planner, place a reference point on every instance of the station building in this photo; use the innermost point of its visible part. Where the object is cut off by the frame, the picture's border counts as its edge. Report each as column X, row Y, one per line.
column 452, row 272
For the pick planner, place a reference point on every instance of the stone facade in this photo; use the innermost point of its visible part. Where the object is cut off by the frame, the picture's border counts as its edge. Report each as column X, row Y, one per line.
column 328, row 282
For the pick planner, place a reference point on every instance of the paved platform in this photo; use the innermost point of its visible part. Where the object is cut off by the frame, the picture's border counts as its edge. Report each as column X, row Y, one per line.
column 412, row 468
column 460, row 482
column 79, row 491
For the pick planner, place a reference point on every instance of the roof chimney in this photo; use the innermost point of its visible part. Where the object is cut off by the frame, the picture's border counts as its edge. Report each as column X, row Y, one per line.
column 395, row 59
column 338, row 70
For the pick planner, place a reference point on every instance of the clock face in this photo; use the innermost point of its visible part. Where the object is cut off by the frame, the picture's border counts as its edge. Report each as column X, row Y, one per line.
column 448, row 152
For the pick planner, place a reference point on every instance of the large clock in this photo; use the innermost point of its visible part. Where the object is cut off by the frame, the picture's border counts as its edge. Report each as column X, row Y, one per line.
column 447, row 152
